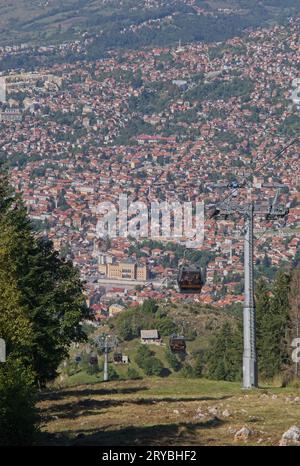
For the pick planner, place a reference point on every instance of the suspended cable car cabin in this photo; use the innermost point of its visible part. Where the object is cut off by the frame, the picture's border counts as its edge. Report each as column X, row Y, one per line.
column 190, row 279
column 118, row 357
column 78, row 358
column 93, row 360
column 177, row 344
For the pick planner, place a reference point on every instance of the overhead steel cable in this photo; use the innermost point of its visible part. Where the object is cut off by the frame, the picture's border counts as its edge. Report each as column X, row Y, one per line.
column 243, row 184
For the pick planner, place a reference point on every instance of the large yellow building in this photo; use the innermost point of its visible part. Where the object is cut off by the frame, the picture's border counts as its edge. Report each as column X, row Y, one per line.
column 125, row 270
column 18, row 81
column 115, row 309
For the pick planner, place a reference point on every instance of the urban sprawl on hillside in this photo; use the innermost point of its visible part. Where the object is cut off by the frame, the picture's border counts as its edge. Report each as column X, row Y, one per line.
column 156, row 124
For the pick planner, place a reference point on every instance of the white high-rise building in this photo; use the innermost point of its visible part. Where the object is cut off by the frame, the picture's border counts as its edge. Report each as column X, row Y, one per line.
column 2, row 89
column 296, row 92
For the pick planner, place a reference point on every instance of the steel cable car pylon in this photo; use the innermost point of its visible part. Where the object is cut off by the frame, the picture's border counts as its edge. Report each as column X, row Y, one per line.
column 228, row 208
column 105, row 343
column 250, row 372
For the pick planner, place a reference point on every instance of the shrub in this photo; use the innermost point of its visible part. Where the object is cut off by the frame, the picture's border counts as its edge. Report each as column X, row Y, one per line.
column 153, row 366
column 146, row 360
column 112, row 373
column 187, row 371
column 172, row 360
column 133, row 374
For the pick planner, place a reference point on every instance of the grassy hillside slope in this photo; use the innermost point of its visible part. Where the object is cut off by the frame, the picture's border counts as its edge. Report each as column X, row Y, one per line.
column 199, row 324
column 168, row 412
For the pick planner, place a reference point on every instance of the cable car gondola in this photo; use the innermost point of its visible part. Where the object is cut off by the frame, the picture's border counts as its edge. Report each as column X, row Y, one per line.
column 190, row 279
column 118, row 357
column 177, row 343
column 93, row 360
column 78, row 358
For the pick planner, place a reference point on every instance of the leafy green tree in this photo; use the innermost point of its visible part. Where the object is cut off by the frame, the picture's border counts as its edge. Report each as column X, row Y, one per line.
column 128, row 324
column 125, row 330
column 149, row 306
column 19, row 419
column 165, row 326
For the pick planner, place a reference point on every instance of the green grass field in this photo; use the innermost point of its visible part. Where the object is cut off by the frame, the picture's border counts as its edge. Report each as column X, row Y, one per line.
column 170, row 411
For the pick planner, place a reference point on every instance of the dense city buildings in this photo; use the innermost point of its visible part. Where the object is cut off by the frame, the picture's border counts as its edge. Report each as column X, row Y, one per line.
column 159, row 124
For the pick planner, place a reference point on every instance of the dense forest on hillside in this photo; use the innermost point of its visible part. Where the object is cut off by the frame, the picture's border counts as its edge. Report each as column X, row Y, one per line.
column 135, row 23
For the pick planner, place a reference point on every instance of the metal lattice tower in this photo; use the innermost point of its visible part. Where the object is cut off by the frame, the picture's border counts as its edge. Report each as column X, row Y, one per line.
column 250, row 373
column 224, row 211
column 105, row 343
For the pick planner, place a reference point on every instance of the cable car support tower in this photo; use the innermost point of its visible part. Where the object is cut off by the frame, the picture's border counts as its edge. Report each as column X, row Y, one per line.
column 248, row 211
column 273, row 211
column 105, row 343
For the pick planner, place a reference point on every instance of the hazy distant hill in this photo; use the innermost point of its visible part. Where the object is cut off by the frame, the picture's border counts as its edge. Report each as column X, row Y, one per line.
column 135, row 22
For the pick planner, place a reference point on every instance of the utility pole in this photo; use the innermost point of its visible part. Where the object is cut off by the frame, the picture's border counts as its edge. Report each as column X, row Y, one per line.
column 223, row 211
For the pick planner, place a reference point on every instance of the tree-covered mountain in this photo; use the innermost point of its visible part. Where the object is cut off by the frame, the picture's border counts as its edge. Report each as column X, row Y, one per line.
column 133, row 23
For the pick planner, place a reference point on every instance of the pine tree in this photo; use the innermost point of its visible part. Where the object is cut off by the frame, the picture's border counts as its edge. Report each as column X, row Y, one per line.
column 281, row 307
column 294, row 310
column 42, row 299
column 273, row 325
column 198, row 368
column 294, row 319
column 225, row 354
column 172, row 360
column 263, row 313
column 15, row 326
